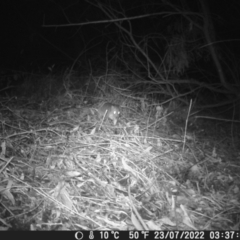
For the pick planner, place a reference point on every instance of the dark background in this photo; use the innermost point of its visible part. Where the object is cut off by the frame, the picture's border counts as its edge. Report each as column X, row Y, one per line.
column 26, row 43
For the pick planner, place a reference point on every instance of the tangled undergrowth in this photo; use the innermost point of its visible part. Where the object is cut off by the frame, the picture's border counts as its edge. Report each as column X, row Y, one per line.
column 60, row 169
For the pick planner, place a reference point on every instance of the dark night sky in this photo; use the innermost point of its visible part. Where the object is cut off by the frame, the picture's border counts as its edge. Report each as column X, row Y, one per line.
column 25, row 42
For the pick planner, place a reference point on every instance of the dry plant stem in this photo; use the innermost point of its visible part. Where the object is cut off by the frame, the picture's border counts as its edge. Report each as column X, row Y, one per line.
column 1, row 90
column 185, row 130
column 12, row 214
column 102, row 21
column 6, row 164
column 136, row 212
column 103, row 119
column 218, row 119
column 2, row 122
column 32, row 132
column 156, row 121
column 174, row 210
